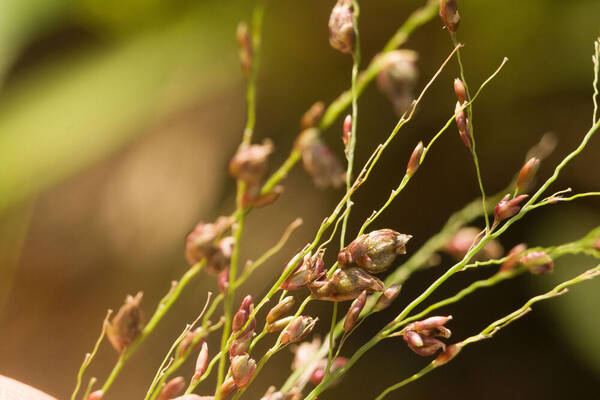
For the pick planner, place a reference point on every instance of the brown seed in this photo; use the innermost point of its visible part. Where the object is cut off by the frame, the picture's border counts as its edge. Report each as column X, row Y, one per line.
column 341, row 27
column 127, row 325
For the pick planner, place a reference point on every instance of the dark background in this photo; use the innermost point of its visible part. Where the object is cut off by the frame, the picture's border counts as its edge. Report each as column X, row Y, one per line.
column 117, row 120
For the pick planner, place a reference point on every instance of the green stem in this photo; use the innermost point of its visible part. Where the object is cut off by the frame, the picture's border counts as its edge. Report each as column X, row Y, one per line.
column 398, row 385
column 352, row 142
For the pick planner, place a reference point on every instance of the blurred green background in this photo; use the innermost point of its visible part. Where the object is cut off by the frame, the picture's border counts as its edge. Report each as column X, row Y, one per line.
column 117, row 119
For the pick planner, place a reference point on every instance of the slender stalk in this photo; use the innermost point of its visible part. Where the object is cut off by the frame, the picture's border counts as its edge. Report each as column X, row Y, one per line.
column 406, row 381
column 596, row 60
column 90, row 356
column 352, row 142
column 417, row 19
column 163, row 307
column 472, row 134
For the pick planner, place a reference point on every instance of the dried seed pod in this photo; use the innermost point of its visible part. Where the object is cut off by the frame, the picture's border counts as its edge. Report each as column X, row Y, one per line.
column 312, row 117
column 462, row 123
column 513, row 257
column 398, row 78
column 460, row 90
column 341, row 27
column 311, row 268
column 227, row 388
column 279, row 325
column 354, row 311
column 387, row 297
column 375, row 251
column 467, row 237
column 415, row 160
column 346, row 284
column 318, row 160
column 508, row 207
column 527, row 173
column 172, row 388
column 201, row 361
column 242, row 369
column 281, row 309
column 448, row 354
column 250, row 163
column 244, row 41
column 127, row 325
column 298, row 329
column 537, row 262
column 96, row 395
column 449, row 15
column 200, row 242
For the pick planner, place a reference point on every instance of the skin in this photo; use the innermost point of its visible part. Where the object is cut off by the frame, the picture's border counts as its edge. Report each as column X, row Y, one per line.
column 14, row 390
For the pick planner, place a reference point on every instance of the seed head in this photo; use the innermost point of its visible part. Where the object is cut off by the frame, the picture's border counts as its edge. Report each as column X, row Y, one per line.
column 448, row 354
column 387, row 297
column 527, row 173
column 304, row 353
column 253, row 198
column 242, row 370
column 200, row 242
column 223, row 280
column 279, row 325
column 346, row 284
column 241, row 344
column 462, row 123
column 354, row 311
column 127, row 325
column 244, row 41
column 460, row 90
column 319, row 373
column 312, row 117
column 227, row 388
column 508, row 207
column 513, row 257
column 250, row 163
column 318, row 160
column 537, row 262
column 375, row 251
column 449, row 15
column 341, row 27
column 347, row 130
column 298, row 329
column 280, row 309
column 241, row 316
column 172, row 388
column 201, row 361
column 398, row 78
column 220, row 258
column 420, row 336
column 467, row 237
column 415, row 160
column 194, row 338
column 310, row 269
